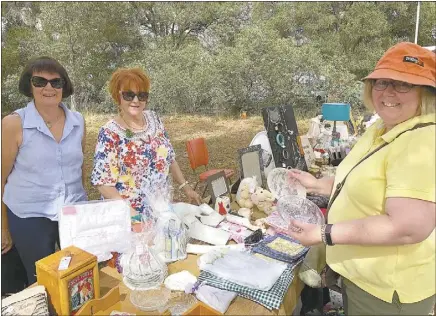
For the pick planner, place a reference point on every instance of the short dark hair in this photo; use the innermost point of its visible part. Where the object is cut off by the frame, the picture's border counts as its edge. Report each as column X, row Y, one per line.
column 47, row 64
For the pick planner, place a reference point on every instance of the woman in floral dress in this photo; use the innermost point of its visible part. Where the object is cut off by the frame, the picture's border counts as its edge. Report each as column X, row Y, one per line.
column 134, row 155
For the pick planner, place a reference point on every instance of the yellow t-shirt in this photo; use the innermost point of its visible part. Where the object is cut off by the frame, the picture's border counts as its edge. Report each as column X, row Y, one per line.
column 404, row 168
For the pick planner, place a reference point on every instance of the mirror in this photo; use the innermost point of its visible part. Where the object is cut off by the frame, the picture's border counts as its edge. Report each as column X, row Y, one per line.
column 217, row 185
column 251, row 163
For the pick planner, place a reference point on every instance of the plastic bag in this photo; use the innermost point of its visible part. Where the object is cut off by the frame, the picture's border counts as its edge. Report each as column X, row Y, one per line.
column 170, row 234
column 99, row 227
column 140, row 266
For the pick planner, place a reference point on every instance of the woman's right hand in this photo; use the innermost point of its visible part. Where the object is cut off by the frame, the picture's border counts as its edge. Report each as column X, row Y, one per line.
column 6, row 241
column 306, row 179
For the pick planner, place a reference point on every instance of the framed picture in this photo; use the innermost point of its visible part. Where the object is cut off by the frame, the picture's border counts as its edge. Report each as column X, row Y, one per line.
column 309, row 155
column 217, row 185
column 251, row 163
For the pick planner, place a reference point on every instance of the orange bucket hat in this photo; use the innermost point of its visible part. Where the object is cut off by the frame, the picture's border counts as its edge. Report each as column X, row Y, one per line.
column 407, row 62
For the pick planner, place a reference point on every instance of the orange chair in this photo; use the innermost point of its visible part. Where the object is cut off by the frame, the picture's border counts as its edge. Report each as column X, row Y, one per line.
column 199, row 156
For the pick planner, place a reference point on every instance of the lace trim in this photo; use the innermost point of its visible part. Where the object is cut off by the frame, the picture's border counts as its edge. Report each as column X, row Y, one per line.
column 152, row 127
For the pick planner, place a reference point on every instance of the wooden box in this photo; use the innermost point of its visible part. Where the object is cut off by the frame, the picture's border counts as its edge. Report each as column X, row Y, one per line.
column 69, row 289
column 201, row 309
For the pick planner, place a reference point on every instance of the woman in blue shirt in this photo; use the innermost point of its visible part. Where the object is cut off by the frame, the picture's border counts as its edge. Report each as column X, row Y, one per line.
column 42, row 163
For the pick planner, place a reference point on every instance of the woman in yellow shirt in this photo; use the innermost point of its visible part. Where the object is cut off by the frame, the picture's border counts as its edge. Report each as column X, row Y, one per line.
column 380, row 234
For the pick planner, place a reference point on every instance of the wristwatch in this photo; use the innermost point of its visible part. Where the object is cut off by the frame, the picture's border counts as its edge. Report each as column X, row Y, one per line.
column 328, row 236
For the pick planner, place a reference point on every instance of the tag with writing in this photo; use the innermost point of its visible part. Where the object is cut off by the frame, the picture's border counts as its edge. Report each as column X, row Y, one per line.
column 69, row 210
column 413, row 60
column 65, row 262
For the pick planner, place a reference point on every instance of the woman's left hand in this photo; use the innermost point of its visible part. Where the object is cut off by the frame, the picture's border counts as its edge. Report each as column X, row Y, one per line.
column 192, row 195
column 306, row 234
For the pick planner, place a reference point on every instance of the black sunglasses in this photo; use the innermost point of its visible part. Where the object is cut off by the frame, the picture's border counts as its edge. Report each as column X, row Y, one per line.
column 130, row 95
column 40, row 82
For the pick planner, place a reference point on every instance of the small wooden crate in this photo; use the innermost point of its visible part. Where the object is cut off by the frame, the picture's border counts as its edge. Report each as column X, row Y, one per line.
column 69, row 289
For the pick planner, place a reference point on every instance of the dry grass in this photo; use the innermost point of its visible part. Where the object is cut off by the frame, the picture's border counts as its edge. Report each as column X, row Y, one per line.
column 224, row 136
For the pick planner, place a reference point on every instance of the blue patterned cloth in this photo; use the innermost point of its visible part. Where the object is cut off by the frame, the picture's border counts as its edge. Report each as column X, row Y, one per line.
column 264, row 248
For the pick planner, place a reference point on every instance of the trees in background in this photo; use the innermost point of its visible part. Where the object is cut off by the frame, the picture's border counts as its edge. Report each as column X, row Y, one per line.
column 210, row 57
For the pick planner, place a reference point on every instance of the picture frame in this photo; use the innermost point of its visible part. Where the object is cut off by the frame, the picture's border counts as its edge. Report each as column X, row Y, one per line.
column 218, row 185
column 309, row 155
column 251, row 163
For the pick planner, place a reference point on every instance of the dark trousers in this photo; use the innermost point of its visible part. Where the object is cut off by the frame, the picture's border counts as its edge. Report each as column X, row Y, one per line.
column 34, row 238
column 14, row 276
column 313, row 299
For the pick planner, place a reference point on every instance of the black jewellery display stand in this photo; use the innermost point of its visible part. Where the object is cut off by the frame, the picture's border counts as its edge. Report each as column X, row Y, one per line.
column 282, row 131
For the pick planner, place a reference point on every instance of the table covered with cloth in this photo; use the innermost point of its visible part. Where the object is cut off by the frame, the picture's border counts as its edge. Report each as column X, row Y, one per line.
column 109, row 278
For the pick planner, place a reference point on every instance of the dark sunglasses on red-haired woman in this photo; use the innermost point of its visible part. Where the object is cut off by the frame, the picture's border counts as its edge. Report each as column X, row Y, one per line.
column 130, row 95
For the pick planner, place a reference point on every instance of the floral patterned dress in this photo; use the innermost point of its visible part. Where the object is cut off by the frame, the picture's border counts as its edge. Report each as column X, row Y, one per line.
column 133, row 165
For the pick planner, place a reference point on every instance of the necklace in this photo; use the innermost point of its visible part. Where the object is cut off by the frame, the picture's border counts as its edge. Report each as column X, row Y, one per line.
column 51, row 124
column 129, row 132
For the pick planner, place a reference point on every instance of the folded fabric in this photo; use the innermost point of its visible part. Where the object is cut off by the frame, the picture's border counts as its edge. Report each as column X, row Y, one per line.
column 271, row 299
column 31, row 301
column 213, row 219
column 202, row 249
column 237, row 232
column 215, row 297
column 281, row 247
column 179, row 280
column 240, row 267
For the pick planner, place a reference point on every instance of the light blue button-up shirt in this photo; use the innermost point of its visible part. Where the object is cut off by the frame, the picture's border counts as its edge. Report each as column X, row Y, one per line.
column 46, row 174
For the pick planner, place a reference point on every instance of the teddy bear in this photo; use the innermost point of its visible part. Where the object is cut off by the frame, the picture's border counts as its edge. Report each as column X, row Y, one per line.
column 244, row 200
column 264, row 200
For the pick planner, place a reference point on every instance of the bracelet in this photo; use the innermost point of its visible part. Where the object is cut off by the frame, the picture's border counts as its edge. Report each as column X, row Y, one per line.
column 183, row 185
column 328, row 236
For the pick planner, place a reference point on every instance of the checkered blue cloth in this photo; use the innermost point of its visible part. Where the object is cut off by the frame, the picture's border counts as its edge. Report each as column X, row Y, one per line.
column 270, row 299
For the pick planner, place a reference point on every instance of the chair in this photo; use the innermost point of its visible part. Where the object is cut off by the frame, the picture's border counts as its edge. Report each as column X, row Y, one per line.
column 199, row 157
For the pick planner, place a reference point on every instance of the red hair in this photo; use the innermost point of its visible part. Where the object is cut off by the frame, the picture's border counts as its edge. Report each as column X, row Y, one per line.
column 128, row 79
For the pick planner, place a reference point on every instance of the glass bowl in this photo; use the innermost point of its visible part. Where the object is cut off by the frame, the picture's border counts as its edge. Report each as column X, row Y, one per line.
column 150, row 300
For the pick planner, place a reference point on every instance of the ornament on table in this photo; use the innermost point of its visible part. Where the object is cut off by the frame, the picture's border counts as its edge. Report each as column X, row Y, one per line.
column 222, row 205
column 246, row 188
column 264, row 200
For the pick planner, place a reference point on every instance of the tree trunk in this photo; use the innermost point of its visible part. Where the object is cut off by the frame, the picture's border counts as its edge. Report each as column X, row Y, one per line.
column 73, row 103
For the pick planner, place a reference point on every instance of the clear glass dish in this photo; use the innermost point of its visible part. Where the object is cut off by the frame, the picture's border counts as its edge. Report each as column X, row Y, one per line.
column 150, row 300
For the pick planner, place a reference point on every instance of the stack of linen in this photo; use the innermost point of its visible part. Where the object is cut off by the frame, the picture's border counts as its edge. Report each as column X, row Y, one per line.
column 253, row 276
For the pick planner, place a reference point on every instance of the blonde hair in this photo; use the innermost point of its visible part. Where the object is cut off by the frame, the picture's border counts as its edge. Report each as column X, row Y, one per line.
column 427, row 98
column 125, row 78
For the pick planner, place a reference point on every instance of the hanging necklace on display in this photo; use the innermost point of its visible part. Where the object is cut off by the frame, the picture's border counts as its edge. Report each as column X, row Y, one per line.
column 285, row 153
column 274, row 116
column 129, row 130
column 293, row 143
